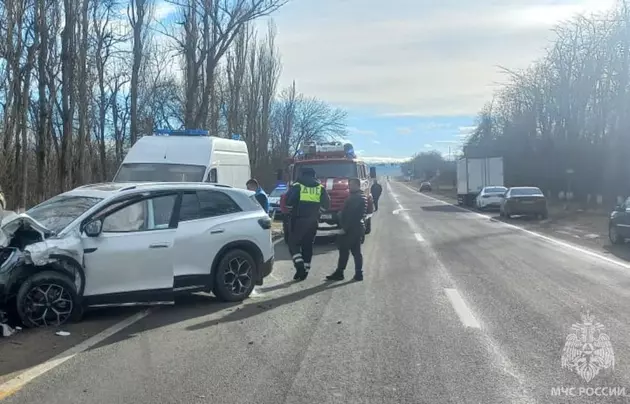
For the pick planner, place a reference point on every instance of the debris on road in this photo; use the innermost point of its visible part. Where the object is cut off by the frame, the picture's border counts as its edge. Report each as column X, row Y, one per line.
column 62, row 333
column 7, row 331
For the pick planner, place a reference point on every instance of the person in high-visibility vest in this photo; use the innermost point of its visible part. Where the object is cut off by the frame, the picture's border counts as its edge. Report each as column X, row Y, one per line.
column 304, row 200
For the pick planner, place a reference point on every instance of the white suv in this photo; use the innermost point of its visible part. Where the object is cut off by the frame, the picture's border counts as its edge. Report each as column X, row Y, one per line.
column 122, row 243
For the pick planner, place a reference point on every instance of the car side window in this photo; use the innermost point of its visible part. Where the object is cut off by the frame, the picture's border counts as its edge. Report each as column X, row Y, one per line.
column 147, row 214
column 190, row 209
column 215, row 203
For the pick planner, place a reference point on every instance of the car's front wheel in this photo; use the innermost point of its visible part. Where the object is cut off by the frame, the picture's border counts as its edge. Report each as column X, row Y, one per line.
column 48, row 299
column 614, row 236
column 234, row 277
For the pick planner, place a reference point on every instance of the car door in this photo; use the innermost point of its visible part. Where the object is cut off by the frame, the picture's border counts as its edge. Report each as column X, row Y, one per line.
column 202, row 230
column 131, row 260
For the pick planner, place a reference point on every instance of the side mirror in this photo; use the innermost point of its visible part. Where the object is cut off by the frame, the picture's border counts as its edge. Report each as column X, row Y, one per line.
column 372, row 172
column 93, row 228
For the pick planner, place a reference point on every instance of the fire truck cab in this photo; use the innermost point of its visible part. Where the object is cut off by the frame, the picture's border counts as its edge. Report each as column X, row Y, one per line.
column 334, row 163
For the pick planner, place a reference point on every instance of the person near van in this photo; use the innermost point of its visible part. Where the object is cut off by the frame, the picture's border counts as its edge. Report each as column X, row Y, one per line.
column 304, row 200
column 261, row 196
column 376, row 192
column 353, row 225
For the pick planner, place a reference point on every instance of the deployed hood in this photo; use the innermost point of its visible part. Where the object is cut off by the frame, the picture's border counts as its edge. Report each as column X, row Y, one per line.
column 44, row 250
column 309, row 182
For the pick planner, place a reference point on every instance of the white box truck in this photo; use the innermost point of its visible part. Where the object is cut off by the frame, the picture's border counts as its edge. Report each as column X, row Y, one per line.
column 473, row 174
column 186, row 156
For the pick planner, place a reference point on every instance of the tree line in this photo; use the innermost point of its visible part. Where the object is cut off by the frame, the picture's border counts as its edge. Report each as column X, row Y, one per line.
column 563, row 123
column 82, row 80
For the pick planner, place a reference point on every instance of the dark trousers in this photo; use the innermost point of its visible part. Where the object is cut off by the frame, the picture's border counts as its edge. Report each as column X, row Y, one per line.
column 375, row 203
column 350, row 243
column 301, row 238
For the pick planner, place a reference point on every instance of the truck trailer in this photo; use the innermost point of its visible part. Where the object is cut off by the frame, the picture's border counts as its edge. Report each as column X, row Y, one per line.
column 473, row 174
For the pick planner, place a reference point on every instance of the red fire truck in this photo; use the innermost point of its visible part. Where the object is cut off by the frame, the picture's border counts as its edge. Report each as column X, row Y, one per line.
column 334, row 163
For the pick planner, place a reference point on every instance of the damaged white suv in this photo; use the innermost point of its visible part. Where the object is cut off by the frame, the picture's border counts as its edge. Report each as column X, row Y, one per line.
column 112, row 244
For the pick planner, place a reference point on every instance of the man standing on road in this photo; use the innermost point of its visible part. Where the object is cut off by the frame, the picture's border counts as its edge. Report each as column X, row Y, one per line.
column 261, row 196
column 376, row 192
column 352, row 223
column 304, row 200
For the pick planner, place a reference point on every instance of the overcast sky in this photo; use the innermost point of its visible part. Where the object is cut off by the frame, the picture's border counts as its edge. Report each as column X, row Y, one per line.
column 413, row 73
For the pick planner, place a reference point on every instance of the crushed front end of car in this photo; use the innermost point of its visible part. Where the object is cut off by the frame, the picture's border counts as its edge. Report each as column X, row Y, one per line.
column 41, row 275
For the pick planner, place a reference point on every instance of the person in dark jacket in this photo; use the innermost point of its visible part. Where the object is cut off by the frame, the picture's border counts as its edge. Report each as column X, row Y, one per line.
column 353, row 225
column 376, row 192
column 304, row 200
column 261, row 196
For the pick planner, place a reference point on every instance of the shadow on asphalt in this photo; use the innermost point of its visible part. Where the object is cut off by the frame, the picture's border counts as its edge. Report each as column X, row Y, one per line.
column 200, row 305
column 621, row 251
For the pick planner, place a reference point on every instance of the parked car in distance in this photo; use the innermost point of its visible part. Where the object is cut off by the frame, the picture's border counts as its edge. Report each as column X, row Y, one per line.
column 124, row 243
column 490, row 197
column 619, row 223
column 525, row 201
column 425, row 186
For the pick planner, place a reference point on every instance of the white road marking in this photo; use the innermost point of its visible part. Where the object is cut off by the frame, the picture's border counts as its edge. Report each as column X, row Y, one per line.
column 465, row 315
column 561, row 243
column 12, row 386
column 419, row 237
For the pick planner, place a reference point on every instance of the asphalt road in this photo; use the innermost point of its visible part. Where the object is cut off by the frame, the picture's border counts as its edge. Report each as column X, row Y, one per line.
column 454, row 308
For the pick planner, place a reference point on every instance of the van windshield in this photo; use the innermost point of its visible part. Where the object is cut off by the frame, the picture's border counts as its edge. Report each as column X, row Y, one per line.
column 329, row 170
column 152, row 172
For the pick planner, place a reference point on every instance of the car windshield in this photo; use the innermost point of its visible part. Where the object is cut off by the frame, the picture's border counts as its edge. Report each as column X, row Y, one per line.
column 495, row 190
column 58, row 212
column 526, row 192
column 277, row 192
column 153, row 172
column 329, row 169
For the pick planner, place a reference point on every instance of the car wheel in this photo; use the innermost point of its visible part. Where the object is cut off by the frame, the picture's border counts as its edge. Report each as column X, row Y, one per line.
column 544, row 215
column 507, row 214
column 368, row 226
column 48, row 299
column 234, row 277
column 614, row 236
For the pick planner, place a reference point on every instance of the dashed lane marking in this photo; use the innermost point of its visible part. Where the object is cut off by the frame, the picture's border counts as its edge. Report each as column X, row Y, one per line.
column 465, row 315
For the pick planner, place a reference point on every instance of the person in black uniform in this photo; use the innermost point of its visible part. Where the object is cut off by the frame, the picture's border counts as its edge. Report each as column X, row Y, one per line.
column 376, row 192
column 304, row 200
column 353, row 225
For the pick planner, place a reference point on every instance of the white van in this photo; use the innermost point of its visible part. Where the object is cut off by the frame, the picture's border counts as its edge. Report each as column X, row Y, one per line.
column 186, row 156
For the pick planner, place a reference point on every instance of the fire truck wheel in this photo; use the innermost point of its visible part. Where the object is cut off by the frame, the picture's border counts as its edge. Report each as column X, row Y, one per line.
column 368, row 226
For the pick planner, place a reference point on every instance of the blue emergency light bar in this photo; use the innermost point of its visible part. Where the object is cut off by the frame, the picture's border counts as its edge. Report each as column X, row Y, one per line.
column 184, row 132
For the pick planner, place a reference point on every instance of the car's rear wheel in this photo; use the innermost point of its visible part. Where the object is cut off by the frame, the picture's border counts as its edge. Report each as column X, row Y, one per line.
column 48, row 299
column 234, row 277
column 614, row 236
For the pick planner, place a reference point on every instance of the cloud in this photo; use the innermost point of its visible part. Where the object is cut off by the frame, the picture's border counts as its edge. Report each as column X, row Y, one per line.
column 376, row 142
column 467, row 129
column 377, row 160
column 448, row 141
column 413, row 57
column 356, row 131
column 163, row 10
column 428, row 146
column 404, row 130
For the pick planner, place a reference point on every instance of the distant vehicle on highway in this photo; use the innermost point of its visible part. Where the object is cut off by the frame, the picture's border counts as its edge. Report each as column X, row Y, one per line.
column 524, row 201
column 490, row 197
column 619, row 223
column 125, row 243
column 425, row 186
